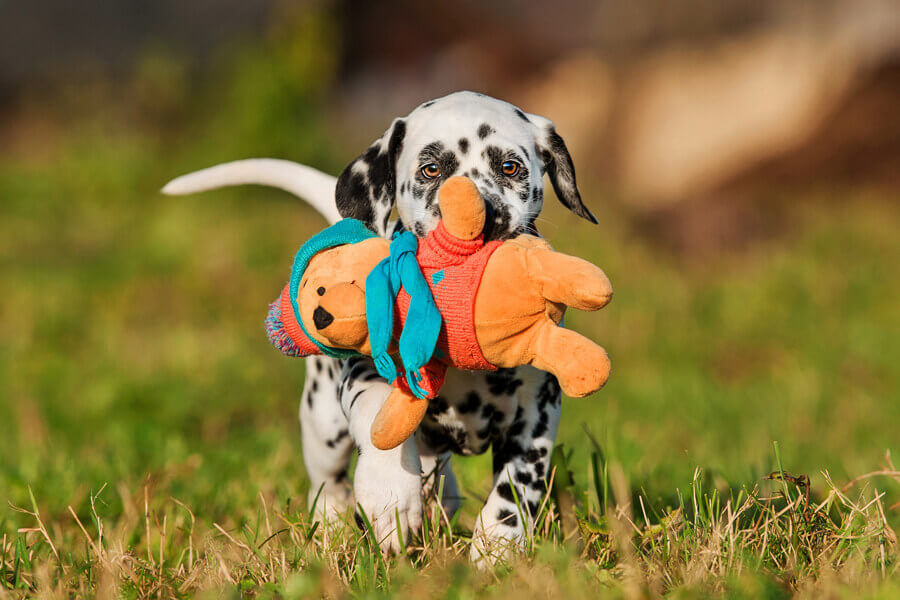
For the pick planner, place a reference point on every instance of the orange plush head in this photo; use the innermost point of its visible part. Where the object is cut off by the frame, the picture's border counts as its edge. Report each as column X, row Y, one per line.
column 332, row 294
column 323, row 310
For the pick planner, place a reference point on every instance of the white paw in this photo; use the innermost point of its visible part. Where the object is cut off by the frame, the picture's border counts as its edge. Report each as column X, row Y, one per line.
column 331, row 502
column 494, row 541
column 388, row 488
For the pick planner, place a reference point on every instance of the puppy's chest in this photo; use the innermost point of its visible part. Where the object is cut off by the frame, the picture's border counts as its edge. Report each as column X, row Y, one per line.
column 468, row 419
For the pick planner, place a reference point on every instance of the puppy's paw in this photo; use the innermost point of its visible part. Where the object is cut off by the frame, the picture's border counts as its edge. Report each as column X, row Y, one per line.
column 498, row 536
column 331, row 502
column 388, row 488
column 489, row 548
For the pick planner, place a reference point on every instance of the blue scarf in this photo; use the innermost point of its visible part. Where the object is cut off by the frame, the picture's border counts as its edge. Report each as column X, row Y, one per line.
column 423, row 320
column 399, row 270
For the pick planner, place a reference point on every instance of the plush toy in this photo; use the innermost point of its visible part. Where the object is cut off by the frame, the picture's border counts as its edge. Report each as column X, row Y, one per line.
column 451, row 299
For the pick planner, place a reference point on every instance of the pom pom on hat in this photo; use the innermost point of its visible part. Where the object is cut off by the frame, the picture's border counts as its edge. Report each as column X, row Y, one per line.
column 283, row 330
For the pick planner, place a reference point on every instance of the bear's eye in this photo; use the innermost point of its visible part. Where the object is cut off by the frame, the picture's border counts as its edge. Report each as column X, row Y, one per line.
column 509, row 168
column 431, row 171
column 320, row 291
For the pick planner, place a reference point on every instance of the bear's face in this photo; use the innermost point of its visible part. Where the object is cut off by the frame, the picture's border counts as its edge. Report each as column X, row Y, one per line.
column 332, row 294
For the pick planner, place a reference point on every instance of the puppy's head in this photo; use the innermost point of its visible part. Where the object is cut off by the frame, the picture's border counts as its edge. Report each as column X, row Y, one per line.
column 502, row 149
column 332, row 294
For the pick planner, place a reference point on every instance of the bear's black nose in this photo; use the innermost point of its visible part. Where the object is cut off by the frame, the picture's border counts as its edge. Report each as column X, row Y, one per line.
column 322, row 318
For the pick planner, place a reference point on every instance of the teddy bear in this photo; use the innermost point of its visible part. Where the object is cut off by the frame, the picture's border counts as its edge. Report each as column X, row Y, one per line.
column 451, row 299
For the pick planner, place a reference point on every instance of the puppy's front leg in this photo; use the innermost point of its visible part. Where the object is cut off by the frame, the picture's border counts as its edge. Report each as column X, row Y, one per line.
column 387, row 483
column 521, row 467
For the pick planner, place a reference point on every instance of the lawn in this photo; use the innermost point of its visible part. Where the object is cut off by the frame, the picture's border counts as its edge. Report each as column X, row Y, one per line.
column 149, row 443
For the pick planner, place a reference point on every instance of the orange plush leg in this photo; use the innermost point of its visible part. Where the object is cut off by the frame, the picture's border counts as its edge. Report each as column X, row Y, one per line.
column 569, row 280
column 581, row 366
column 398, row 419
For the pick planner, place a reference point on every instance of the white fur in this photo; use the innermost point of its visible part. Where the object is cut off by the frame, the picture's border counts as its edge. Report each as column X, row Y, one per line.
column 308, row 183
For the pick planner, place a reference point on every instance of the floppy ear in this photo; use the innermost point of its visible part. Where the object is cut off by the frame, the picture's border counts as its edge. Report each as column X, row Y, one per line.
column 557, row 163
column 366, row 188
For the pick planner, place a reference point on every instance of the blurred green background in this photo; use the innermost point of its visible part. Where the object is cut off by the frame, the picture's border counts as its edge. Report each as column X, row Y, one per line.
column 751, row 235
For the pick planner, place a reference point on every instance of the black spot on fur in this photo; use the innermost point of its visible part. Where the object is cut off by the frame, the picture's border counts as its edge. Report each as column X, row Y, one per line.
column 507, row 517
column 503, row 382
column 505, row 453
column 441, row 438
column 429, row 103
column 521, row 115
column 533, row 455
column 487, row 411
column 523, row 477
column 463, row 145
column 470, row 404
column 485, row 130
column 356, row 367
column 549, row 392
column 438, row 405
column 504, row 490
column 541, row 427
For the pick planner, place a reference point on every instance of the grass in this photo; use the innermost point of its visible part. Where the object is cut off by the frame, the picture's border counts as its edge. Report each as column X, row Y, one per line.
column 148, row 436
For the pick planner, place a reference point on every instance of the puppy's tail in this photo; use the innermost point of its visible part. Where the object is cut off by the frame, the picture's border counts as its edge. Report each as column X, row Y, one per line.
column 307, row 183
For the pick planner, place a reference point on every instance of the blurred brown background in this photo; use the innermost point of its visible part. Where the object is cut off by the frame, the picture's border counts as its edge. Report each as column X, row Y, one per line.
column 682, row 108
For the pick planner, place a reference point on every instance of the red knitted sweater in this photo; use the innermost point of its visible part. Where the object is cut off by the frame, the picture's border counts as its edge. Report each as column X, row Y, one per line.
column 453, row 269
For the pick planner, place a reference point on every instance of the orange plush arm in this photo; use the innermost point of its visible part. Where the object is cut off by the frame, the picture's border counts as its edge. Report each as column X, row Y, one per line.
column 402, row 412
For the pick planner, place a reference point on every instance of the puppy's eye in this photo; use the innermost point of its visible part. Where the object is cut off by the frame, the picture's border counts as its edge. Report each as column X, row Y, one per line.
column 431, row 170
column 509, row 168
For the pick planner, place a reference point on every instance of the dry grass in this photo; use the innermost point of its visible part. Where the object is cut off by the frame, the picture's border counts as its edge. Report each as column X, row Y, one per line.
column 776, row 534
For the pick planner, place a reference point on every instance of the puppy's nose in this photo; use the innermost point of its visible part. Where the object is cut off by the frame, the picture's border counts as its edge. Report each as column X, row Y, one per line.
column 322, row 318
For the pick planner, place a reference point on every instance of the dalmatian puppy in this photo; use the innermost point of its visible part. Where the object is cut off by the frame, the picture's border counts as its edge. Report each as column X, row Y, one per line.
column 514, row 412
